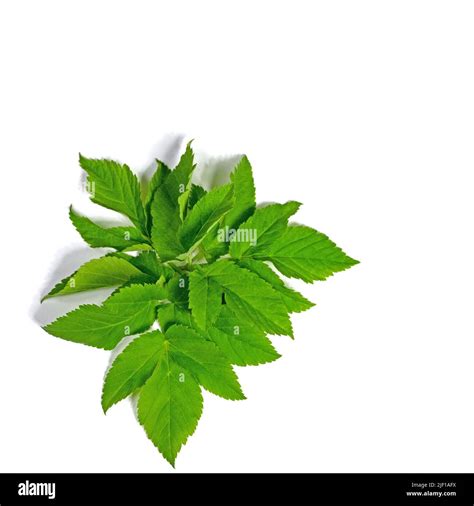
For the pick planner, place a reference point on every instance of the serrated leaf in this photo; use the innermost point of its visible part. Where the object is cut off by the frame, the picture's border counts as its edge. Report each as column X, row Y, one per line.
column 158, row 178
column 138, row 247
column 249, row 297
column 205, row 361
column 148, row 263
column 169, row 407
column 244, row 190
column 244, row 206
column 183, row 204
column 205, row 298
column 106, row 271
column 170, row 314
column 304, row 253
column 261, row 229
column 205, row 214
column 127, row 312
column 132, row 368
column 114, row 186
column 165, row 208
column 294, row 301
column 196, row 193
column 178, row 289
column 242, row 343
column 120, row 238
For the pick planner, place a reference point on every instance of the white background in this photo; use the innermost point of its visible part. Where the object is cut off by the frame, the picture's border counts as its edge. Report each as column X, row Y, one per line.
column 363, row 111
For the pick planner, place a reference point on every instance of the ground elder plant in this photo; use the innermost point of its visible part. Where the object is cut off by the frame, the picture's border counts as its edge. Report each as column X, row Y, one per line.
column 197, row 288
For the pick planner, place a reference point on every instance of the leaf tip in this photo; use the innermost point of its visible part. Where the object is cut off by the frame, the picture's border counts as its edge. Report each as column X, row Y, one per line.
column 105, row 406
column 296, row 205
column 353, row 261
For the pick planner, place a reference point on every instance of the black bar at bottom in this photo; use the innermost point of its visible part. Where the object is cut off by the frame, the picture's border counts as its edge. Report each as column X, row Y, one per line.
column 236, row 489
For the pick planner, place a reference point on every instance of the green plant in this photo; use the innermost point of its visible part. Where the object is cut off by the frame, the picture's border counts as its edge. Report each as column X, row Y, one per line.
column 197, row 263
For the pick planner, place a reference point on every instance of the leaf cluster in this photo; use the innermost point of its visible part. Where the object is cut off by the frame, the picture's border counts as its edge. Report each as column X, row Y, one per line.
column 196, row 300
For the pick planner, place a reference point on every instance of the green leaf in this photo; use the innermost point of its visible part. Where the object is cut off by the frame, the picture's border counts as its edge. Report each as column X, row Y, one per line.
column 132, row 367
column 114, row 186
column 195, row 194
column 293, row 300
column 205, row 214
column 261, row 229
column 244, row 189
column 205, row 361
column 148, row 263
column 127, row 312
column 249, row 297
column 165, row 208
column 158, row 178
column 243, row 208
column 183, row 204
column 169, row 406
column 120, row 238
column 178, row 289
column 106, row 271
column 138, row 247
column 304, row 253
column 242, row 343
column 205, row 298
column 169, row 314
